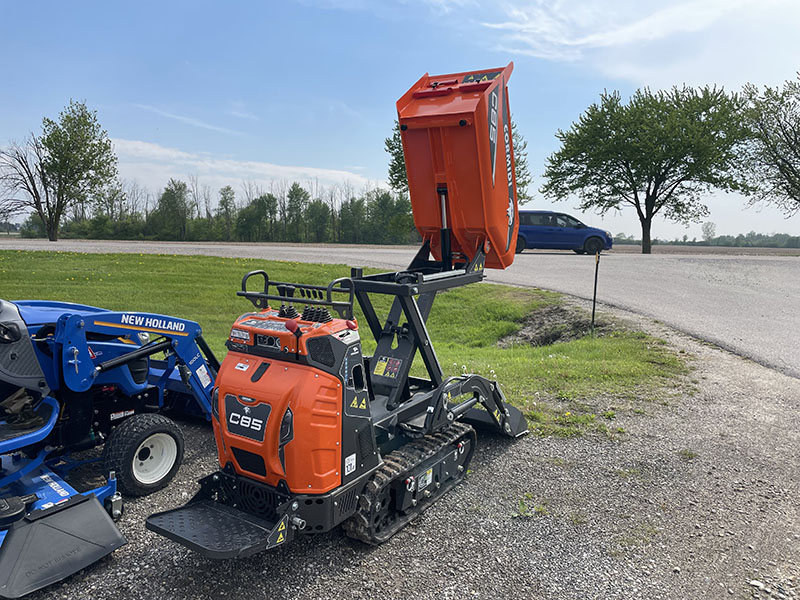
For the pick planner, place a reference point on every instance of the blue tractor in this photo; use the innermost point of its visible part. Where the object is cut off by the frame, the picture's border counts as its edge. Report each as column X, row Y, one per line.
column 72, row 378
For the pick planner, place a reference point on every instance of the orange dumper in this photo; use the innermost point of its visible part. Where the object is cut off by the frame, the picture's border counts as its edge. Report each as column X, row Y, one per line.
column 456, row 132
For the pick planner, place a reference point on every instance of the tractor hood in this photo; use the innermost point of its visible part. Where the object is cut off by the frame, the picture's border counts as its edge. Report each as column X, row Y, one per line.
column 39, row 312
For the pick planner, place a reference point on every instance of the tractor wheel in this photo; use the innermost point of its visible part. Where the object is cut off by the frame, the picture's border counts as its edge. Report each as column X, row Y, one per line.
column 593, row 246
column 521, row 244
column 145, row 451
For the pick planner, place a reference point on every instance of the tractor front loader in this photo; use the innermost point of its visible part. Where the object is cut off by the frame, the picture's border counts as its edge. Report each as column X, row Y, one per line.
column 74, row 377
column 311, row 434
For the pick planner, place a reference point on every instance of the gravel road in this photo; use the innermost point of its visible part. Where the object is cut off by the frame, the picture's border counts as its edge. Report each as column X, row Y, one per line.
column 748, row 304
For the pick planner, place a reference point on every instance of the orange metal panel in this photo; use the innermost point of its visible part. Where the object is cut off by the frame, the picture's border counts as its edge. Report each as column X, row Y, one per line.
column 456, row 132
column 313, row 457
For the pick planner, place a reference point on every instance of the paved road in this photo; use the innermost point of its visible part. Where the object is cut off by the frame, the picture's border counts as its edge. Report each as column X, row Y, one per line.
column 747, row 304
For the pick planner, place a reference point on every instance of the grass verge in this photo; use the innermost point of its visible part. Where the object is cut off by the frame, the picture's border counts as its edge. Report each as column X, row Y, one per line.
column 557, row 385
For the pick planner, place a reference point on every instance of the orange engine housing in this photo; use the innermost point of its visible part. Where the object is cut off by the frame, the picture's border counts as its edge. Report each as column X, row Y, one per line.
column 456, row 133
column 256, row 389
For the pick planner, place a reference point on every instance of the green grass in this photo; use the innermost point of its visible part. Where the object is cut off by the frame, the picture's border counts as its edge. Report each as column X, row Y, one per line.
column 465, row 324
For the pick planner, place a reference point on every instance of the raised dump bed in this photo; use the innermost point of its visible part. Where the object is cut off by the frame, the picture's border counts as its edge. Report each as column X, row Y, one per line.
column 456, row 132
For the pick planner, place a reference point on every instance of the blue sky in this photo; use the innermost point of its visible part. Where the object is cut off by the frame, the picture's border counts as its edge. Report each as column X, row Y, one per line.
column 305, row 90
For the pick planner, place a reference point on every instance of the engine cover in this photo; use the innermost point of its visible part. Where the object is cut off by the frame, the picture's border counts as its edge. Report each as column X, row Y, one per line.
column 291, row 410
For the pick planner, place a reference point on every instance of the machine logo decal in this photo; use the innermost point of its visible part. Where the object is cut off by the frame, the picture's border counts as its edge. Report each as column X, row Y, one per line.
column 509, row 172
column 154, row 322
column 494, row 105
column 246, row 421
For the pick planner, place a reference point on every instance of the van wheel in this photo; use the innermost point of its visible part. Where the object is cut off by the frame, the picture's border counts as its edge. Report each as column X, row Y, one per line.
column 145, row 451
column 593, row 246
column 521, row 245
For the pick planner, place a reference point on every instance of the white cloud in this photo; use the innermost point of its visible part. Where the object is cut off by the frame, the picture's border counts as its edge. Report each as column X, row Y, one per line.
column 659, row 44
column 187, row 120
column 239, row 110
column 152, row 165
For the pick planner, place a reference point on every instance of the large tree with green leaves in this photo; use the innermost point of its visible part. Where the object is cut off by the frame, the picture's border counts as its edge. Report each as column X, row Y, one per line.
column 398, row 180
column 659, row 153
column 772, row 158
column 64, row 167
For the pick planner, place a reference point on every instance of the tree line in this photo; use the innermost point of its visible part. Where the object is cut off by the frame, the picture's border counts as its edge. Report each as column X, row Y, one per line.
column 189, row 211
column 66, row 178
column 742, row 240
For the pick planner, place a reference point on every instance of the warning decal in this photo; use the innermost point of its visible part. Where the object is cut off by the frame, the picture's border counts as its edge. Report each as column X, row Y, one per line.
column 388, row 367
column 203, row 376
column 480, row 77
column 425, row 480
column 349, row 464
column 278, row 535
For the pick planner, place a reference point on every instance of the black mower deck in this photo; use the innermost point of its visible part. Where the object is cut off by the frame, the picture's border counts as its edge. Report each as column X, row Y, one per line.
column 48, row 545
column 218, row 531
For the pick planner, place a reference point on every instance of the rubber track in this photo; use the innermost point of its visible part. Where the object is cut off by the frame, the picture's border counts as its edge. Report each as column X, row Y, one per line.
column 398, row 464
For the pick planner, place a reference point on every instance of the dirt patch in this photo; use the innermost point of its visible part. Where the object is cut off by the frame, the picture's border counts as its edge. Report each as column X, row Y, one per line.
column 557, row 323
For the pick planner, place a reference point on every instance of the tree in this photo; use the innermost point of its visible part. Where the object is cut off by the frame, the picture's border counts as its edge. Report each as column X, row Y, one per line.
column 226, row 211
column 296, row 203
column 170, row 218
column 709, row 231
column 521, row 171
column 398, row 179
column 61, row 169
column 352, row 217
column 658, row 153
column 772, row 159
column 317, row 216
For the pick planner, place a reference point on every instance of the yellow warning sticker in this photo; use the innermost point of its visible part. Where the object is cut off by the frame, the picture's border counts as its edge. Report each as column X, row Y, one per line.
column 280, row 539
column 363, row 403
column 282, row 526
column 497, row 415
column 354, row 403
column 380, row 366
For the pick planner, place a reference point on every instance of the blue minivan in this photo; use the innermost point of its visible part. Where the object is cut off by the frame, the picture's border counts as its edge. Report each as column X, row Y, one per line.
column 547, row 229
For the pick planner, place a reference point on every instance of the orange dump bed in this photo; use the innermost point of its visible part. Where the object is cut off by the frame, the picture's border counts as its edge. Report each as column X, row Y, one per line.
column 456, row 132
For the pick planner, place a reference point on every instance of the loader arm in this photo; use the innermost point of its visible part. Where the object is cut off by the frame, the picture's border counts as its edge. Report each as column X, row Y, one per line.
column 190, row 364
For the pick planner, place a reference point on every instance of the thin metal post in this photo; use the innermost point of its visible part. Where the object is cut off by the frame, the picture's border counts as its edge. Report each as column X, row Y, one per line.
column 594, row 296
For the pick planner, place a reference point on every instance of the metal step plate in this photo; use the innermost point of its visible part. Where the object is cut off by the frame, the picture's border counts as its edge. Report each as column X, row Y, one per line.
column 218, row 531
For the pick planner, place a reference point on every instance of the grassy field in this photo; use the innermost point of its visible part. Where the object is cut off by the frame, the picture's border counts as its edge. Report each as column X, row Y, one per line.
column 564, row 388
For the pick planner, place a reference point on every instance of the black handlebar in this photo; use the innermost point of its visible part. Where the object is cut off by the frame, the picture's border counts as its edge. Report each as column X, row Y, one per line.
column 302, row 293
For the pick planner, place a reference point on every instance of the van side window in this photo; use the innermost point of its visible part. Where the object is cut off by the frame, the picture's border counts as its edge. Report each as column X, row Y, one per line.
column 540, row 220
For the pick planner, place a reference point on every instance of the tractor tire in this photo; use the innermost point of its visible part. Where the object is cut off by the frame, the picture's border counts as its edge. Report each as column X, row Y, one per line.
column 521, row 244
column 145, row 451
column 593, row 246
